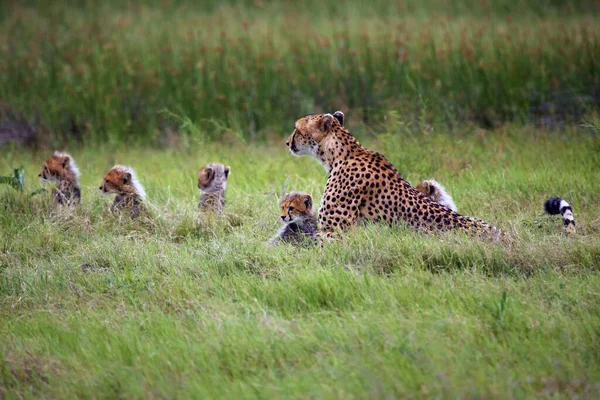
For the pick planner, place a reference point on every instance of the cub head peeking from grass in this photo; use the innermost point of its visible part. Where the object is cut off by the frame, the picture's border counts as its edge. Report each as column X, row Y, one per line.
column 130, row 194
column 61, row 168
column 436, row 192
column 212, row 182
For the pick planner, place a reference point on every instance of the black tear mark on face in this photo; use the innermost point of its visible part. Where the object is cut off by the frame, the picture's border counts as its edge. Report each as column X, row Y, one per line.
column 292, row 142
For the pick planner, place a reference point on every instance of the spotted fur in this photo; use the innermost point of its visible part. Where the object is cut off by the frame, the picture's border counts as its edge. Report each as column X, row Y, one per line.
column 130, row 195
column 212, row 182
column 61, row 168
column 436, row 192
column 364, row 185
column 299, row 220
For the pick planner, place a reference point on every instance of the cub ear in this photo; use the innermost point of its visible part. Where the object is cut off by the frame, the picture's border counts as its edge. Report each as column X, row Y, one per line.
column 126, row 178
column 205, row 176
column 283, row 198
column 339, row 116
column 327, row 122
column 210, row 174
column 66, row 161
column 227, row 171
column 424, row 187
column 431, row 189
column 308, row 201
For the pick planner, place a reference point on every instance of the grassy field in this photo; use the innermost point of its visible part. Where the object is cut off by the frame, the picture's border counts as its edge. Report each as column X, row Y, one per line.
column 115, row 71
column 93, row 306
column 487, row 97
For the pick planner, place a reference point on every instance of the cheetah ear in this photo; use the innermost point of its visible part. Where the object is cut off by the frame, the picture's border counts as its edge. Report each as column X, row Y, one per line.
column 327, row 122
column 210, row 174
column 227, row 171
column 126, row 178
column 205, row 177
column 339, row 116
column 282, row 199
column 65, row 161
column 423, row 187
column 308, row 201
column 430, row 189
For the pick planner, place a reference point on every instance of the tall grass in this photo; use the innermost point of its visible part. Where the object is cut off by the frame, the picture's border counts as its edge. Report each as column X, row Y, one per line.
column 102, row 70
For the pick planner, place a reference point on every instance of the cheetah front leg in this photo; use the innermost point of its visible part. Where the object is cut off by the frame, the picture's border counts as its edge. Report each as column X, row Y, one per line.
column 338, row 212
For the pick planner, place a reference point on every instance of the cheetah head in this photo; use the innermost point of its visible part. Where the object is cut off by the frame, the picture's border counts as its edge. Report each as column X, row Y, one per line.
column 57, row 167
column 122, row 180
column 115, row 179
column 309, row 132
column 295, row 207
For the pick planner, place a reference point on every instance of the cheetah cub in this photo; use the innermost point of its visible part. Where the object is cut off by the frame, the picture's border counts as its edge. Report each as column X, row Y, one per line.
column 122, row 181
column 436, row 192
column 61, row 168
column 212, row 182
column 300, row 222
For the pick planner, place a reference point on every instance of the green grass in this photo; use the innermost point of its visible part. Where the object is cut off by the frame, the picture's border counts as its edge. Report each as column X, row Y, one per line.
column 95, row 306
column 181, row 306
column 99, row 71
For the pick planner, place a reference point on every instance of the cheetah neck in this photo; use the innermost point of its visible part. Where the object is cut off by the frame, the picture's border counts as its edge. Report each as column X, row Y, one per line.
column 307, row 219
column 307, row 224
column 68, row 179
column 130, row 192
column 68, row 183
column 212, row 200
column 336, row 147
column 217, row 186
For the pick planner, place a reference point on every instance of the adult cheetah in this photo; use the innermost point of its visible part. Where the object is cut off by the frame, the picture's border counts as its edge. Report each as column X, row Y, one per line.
column 364, row 185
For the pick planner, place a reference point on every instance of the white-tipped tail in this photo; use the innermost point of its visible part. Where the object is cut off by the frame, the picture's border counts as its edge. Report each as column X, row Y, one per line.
column 555, row 206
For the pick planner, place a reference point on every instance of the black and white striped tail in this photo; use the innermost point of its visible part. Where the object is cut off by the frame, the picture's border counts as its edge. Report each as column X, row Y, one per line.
column 555, row 206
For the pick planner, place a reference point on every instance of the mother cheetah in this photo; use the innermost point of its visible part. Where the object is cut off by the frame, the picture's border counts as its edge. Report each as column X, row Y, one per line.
column 364, row 185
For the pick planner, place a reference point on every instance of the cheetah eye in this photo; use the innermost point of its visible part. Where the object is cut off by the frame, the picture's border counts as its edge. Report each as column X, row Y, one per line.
column 291, row 208
column 106, row 180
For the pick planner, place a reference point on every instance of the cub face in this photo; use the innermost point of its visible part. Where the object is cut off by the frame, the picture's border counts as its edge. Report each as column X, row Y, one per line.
column 213, row 177
column 309, row 132
column 55, row 167
column 116, row 180
column 295, row 207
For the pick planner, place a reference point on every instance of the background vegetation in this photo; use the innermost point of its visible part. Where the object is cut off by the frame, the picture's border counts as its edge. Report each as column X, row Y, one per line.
column 486, row 97
column 93, row 71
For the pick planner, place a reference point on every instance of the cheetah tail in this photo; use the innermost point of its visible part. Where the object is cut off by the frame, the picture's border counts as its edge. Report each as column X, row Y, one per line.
column 555, row 206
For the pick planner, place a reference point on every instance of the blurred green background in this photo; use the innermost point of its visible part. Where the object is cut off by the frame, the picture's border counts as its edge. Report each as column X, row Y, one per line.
column 149, row 71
